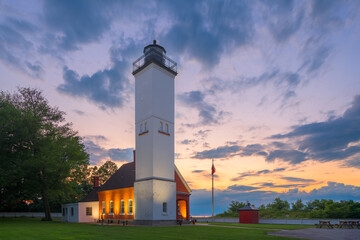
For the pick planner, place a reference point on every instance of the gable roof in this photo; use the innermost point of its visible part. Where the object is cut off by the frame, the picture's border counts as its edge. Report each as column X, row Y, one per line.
column 92, row 196
column 124, row 177
column 182, row 186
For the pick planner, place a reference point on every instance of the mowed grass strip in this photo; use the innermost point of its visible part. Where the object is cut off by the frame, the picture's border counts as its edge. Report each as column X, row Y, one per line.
column 33, row 228
column 266, row 226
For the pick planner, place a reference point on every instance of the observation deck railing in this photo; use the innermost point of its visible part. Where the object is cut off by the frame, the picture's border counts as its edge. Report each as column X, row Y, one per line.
column 157, row 57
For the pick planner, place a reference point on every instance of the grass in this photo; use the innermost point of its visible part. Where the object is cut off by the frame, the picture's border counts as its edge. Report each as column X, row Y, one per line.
column 267, row 226
column 33, row 228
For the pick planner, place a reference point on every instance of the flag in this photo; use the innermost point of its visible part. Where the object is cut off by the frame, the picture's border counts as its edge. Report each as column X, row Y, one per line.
column 213, row 169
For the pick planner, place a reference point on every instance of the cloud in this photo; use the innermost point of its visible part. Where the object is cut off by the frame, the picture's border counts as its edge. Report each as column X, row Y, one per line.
column 220, row 152
column 79, row 112
column 295, row 179
column 291, row 156
column 188, row 141
column 76, row 22
column 208, row 114
column 256, row 173
column 106, row 88
column 251, row 149
column 200, row 33
column 334, row 139
column 98, row 153
column 16, row 48
column 242, row 188
column 272, row 185
column 283, row 19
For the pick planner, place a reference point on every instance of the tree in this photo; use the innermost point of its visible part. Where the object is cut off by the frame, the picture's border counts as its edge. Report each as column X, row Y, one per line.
column 279, row 204
column 39, row 150
column 105, row 171
column 298, row 205
column 235, row 206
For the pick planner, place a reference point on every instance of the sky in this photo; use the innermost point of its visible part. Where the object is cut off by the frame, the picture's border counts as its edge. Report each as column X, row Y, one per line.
column 268, row 89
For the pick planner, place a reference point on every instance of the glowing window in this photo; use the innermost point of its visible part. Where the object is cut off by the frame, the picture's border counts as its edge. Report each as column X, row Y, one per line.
column 111, row 207
column 122, row 207
column 130, row 207
column 103, row 207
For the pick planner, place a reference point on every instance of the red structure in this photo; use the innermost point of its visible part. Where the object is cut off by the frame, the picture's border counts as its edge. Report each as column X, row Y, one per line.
column 248, row 214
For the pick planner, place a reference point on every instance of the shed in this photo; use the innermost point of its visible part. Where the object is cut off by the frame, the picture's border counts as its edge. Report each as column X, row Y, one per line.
column 248, row 214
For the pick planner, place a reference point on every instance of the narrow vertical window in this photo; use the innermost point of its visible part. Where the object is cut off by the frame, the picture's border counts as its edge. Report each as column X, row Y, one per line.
column 111, row 207
column 72, row 211
column 161, row 126
column 164, row 207
column 103, row 207
column 167, row 128
column 130, row 212
column 122, row 207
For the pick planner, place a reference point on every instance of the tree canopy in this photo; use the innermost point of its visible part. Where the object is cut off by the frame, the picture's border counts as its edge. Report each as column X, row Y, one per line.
column 39, row 150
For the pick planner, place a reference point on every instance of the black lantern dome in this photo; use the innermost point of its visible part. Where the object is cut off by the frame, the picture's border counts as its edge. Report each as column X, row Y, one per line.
column 154, row 53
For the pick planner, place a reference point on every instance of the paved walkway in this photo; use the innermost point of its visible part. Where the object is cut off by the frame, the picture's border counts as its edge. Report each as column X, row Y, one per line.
column 320, row 234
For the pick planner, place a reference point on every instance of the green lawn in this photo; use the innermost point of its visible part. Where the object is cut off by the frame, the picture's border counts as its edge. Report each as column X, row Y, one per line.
column 33, row 228
column 267, row 226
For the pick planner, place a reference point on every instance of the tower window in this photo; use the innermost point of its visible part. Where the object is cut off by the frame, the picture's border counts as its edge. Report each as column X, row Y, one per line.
column 111, row 207
column 167, row 128
column 161, row 126
column 164, row 207
column 103, row 207
column 122, row 207
column 72, row 211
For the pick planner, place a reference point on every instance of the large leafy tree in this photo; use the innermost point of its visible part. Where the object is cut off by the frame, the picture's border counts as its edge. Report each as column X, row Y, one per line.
column 39, row 151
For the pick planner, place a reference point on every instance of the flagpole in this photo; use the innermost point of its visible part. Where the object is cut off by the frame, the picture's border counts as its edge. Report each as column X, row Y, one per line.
column 212, row 192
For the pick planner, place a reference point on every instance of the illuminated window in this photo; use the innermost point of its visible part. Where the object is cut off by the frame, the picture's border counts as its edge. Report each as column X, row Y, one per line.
column 103, row 207
column 111, row 207
column 88, row 211
column 164, row 207
column 130, row 207
column 122, row 207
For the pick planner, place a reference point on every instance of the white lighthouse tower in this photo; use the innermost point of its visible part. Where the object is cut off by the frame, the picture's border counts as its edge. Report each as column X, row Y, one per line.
column 154, row 187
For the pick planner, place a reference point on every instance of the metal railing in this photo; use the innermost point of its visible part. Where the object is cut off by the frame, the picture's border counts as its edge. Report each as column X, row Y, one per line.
column 155, row 56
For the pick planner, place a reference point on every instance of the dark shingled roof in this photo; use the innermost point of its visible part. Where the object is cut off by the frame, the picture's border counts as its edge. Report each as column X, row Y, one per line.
column 248, row 208
column 124, row 177
column 92, row 196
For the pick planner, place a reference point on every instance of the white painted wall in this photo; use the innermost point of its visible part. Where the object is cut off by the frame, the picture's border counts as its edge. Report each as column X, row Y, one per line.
column 82, row 211
column 68, row 217
column 154, row 103
column 153, row 193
